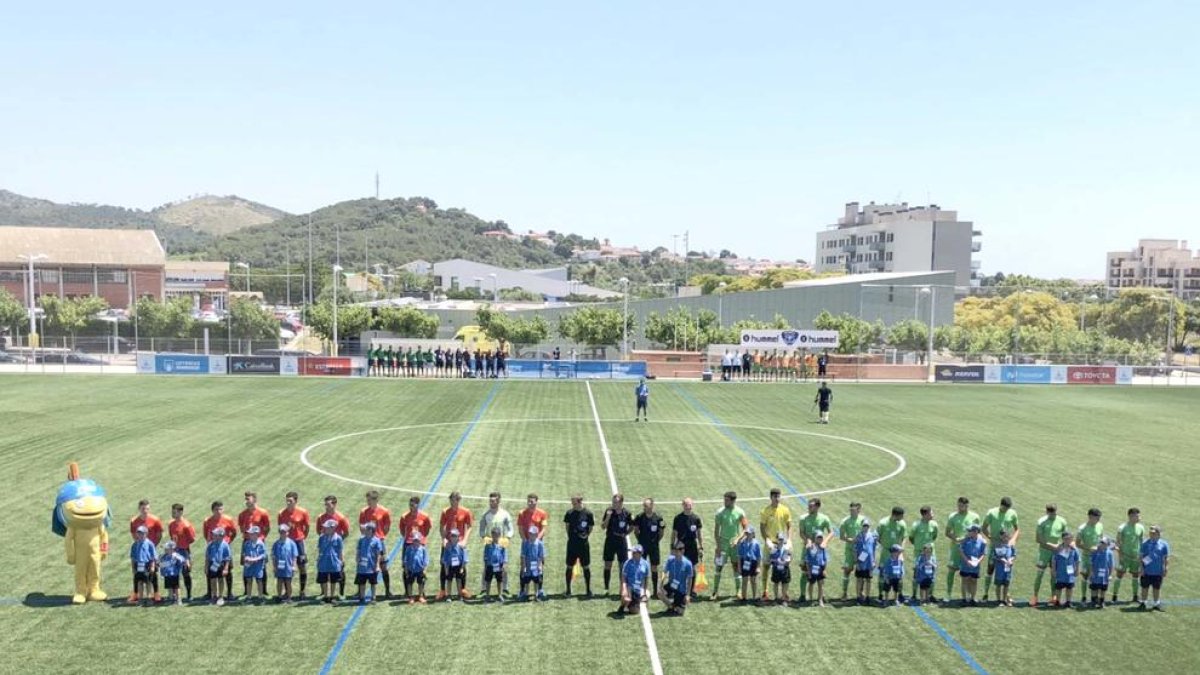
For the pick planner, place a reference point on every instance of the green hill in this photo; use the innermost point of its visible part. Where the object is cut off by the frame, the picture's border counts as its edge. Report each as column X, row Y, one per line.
column 20, row 210
column 217, row 215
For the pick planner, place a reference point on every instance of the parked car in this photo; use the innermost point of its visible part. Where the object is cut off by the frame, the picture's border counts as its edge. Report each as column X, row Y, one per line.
column 75, row 358
column 283, row 352
column 5, row 357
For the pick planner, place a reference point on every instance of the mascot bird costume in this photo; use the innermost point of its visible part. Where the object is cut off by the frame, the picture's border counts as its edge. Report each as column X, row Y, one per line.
column 81, row 515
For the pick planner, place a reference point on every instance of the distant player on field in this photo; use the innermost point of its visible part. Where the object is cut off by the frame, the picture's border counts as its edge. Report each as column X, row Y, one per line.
column 823, row 400
column 642, row 394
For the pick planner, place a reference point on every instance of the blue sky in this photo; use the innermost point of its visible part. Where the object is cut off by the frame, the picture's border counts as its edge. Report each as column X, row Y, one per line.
column 1062, row 133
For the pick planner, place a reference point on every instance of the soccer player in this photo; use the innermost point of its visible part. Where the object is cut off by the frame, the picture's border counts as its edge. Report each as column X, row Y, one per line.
column 495, row 558
column 532, row 517
column 746, row 361
column 343, row 531
column 296, row 518
column 183, row 535
column 330, row 560
column 415, row 519
column 143, row 557
column 974, row 550
column 642, row 395
column 923, row 532
column 781, row 569
column 370, row 555
column 816, row 560
column 775, row 517
column 381, row 518
column 892, row 573
column 750, row 556
column 255, row 516
column 171, row 564
column 284, row 555
column 218, row 559
column 617, row 523
column 1101, row 565
column 1087, row 540
column 823, row 363
column 892, row 531
column 679, row 576
column 1002, row 518
column 1130, row 536
column 728, row 526
column 254, row 563
column 648, row 528
column 925, row 572
column 373, row 355
column 811, row 525
column 864, row 561
column 533, row 562
column 823, row 400
column 957, row 526
column 1156, row 560
column 456, row 517
column 634, row 573
column 495, row 516
column 687, row 529
column 848, row 532
column 1000, row 564
column 218, row 520
column 579, row 522
column 416, row 560
column 1066, row 569
column 1050, row 529
column 154, row 532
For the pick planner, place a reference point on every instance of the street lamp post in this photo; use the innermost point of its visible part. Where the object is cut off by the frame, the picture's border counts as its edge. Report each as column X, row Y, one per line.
column 721, row 305
column 625, row 320
column 931, row 292
column 33, row 331
column 246, row 266
column 337, row 269
column 495, row 288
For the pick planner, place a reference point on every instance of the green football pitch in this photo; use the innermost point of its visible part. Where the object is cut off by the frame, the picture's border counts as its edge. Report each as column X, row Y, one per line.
column 197, row 440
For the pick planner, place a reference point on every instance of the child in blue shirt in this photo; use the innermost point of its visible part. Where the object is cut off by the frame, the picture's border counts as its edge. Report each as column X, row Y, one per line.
column 533, row 561
column 254, row 563
column 172, row 564
column 454, row 568
column 816, row 559
column 749, row 557
column 284, row 553
column 369, row 554
column 416, row 560
column 1102, row 563
column 1003, row 557
column 1155, row 560
column 633, row 581
column 974, row 549
column 781, row 568
column 1066, row 569
column 925, row 572
column 143, row 557
column 677, row 579
column 330, row 561
column 495, row 557
column 864, row 560
column 218, row 558
column 893, row 575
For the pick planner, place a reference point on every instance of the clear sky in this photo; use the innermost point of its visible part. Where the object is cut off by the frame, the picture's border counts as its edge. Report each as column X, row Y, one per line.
column 1063, row 130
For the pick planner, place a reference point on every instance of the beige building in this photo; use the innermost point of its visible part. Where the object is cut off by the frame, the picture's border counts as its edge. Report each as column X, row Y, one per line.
column 1156, row 263
column 205, row 282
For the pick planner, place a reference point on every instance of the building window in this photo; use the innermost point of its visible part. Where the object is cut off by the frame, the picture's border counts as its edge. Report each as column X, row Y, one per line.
column 77, row 277
column 48, row 276
column 112, row 276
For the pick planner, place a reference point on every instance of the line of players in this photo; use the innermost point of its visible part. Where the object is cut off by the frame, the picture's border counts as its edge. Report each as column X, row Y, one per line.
column 1085, row 557
column 440, row 362
column 773, row 366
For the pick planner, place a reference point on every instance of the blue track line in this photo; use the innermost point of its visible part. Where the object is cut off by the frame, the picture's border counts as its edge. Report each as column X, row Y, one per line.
column 740, row 442
column 962, row 652
column 336, row 651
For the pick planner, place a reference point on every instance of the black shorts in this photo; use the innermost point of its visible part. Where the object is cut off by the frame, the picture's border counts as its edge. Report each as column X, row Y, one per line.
column 360, row 579
column 616, row 548
column 579, row 549
column 171, row 583
column 814, row 578
column 143, row 577
column 781, row 576
column 891, row 585
column 969, row 574
column 531, row 579
column 751, row 570
column 414, row 577
column 1001, row 584
column 490, row 573
column 862, row 574
column 651, row 553
column 691, row 551
column 1062, row 586
column 925, row 584
column 301, row 553
column 459, row 573
column 1152, row 581
column 328, row 577
column 676, row 598
column 1098, row 587
column 642, row 405
column 823, row 407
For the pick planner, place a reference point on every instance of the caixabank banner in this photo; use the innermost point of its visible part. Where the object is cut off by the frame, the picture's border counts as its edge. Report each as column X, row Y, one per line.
column 253, row 365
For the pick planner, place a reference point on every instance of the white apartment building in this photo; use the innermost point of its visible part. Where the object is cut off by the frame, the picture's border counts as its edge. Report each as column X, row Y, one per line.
column 1156, row 263
column 899, row 238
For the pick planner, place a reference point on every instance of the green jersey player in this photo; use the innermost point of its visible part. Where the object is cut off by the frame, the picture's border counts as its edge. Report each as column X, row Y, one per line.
column 1050, row 529
column 1130, row 536
column 1002, row 519
column 1087, row 540
column 813, row 524
column 957, row 526
column 892, row 532
column 922, row 533
column 729, row 525
column 847, row 531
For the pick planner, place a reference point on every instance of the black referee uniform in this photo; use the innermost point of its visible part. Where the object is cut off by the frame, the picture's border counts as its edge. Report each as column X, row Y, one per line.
column 580, row 523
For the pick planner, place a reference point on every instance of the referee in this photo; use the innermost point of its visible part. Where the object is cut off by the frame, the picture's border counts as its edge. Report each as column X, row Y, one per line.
column 823, row 400
column 579, row 522
column 617, row 522
column 648, row 528
column 686, row 530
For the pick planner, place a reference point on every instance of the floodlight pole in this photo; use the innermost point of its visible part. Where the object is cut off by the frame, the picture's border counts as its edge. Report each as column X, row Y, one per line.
column 625, row 321
column 932, row 291
column 337, row 269
column 31, row 258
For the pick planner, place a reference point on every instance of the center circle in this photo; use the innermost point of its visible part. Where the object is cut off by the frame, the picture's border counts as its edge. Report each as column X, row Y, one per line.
column 901, row 463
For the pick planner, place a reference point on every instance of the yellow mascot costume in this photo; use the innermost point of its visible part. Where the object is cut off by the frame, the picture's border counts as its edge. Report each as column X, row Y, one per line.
column 81, row 515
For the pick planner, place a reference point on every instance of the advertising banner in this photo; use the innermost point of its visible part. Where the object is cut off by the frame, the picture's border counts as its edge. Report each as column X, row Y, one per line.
column 289, row 365
column 955, row 373
column 1058, row 374
column 253, row 365
column 181, row 364
column 991, row 374
column 1124, row 374
column 1025, row 374
column 790, row 339
column 145, row 362
column 326, row 365
column 628, row 369
column 1091, row 375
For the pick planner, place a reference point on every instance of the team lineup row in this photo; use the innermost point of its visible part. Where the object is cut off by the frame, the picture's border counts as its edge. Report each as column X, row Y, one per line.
column 978, row 547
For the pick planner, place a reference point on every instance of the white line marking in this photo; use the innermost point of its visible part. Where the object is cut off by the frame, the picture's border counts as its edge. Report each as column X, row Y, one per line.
column 651, row 643
column 901, row 463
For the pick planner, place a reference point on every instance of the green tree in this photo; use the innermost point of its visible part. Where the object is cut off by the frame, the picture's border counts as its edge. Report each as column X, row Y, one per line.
column 13, row 315
column 71, row 314
column 170, row 319
column 251, row 322
column 1142, row 315
column 530, row 331
column 909, row 335
column 352, row 320
column 408, row 322
column 595, row 327
column 854, row 334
